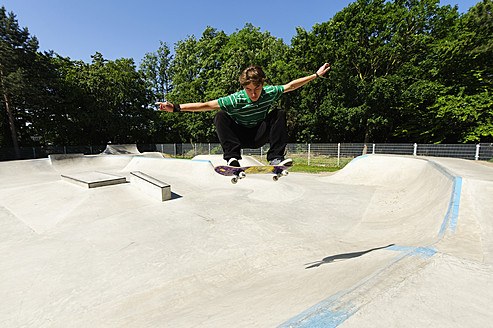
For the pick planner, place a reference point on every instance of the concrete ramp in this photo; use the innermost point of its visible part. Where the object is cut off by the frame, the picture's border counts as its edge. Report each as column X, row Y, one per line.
column 124, row 149
column 439, row 276
column 411, row 199
column 388, row 241
column 85, row 163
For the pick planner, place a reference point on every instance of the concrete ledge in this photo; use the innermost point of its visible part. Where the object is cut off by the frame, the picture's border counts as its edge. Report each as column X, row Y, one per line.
column 153, row 187
column 93, row 179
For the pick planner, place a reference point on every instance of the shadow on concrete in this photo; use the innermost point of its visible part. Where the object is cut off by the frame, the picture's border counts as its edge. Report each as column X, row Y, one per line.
column 175, row 196
column 344, row 256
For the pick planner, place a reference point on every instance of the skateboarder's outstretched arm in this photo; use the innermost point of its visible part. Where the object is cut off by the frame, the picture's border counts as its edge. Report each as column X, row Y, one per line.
column 192, row 107
column 250, row 90
column 295, row 84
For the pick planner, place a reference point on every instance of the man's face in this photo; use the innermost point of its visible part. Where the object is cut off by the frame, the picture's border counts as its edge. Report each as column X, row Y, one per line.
column 253, row 91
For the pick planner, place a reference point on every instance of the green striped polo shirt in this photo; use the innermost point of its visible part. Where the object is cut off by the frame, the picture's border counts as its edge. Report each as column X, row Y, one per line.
column 247, row 113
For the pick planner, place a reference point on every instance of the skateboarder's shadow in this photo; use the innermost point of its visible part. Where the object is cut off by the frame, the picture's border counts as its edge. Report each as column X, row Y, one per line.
column 344, row 256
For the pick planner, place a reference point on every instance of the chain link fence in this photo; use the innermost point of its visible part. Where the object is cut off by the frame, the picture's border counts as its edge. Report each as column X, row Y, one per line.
column 324, row 154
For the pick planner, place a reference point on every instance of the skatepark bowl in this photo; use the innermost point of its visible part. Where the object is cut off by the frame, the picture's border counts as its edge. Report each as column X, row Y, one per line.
column 388, row 241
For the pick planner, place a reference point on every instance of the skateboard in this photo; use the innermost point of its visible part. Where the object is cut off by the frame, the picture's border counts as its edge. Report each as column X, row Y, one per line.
column 238, row 173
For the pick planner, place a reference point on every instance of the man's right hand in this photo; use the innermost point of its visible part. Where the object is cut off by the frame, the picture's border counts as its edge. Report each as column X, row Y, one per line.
column 165, row 106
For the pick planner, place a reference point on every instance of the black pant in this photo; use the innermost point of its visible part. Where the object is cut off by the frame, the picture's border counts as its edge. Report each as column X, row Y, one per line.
column 233, row 136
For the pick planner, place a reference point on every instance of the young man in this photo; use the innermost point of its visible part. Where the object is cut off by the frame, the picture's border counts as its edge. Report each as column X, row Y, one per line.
column 244, row 120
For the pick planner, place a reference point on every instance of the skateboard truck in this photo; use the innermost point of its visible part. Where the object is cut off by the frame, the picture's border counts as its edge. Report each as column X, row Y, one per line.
column 280, row 173
column 241, row 175
column 237, row 176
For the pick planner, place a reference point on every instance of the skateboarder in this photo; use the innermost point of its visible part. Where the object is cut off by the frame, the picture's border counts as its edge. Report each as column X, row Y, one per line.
column 244, row 120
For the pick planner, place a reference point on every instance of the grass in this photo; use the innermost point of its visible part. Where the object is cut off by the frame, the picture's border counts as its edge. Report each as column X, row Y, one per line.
column 313, row 168
column 318, row 163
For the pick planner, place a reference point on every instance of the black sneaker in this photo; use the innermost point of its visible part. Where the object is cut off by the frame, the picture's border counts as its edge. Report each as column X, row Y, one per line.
column 282, row 162
column 233, row 162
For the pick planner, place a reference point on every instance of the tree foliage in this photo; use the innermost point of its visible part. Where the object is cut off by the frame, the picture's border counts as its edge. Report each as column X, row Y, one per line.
column 17, row 54
column 402, row 71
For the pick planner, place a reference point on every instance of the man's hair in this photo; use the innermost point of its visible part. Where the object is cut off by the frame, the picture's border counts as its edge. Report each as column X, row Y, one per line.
column 252, row 74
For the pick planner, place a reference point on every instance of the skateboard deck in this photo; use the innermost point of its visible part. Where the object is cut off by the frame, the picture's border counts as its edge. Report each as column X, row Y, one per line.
column 241, row 172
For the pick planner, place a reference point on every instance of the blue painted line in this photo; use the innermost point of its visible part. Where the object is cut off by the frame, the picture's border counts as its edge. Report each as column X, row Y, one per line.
column 456, row 203
column 357, row 158
column 450, row 219
column 424, row 252
column 328, row 313
column 447, row 215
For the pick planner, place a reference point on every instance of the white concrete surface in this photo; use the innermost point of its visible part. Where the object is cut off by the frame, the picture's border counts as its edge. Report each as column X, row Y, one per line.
column 386, row 242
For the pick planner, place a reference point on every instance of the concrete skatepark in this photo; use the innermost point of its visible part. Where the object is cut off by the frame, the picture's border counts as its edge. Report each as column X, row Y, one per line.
column 388, row 241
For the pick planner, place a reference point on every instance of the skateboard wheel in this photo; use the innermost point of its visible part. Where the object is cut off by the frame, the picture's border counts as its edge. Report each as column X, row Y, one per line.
column 234, row 180
column 285, row 172
column 275, row 178
column 242, row 175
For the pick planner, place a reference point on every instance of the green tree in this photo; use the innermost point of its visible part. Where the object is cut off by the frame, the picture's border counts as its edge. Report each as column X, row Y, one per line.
column 186, row 88
column 450, row 103
column 109, row 100
column 17, row 51
column 463, row 109
column 250, row 46
column 156, row 70
column 46, row 103
column 379, row 49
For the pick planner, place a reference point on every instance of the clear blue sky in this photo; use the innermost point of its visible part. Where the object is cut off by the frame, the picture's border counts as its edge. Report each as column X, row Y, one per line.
column 130, row 29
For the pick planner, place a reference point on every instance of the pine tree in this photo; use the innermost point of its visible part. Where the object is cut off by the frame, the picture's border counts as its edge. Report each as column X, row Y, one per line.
column 16, row 49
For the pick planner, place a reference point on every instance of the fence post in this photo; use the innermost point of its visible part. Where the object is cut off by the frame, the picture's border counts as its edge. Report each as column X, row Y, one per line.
column 309, row 149
column 261, row 152
column 478, row 146
column 338, row 154
column 415, row 152
column 209, row 148
column 373, row 150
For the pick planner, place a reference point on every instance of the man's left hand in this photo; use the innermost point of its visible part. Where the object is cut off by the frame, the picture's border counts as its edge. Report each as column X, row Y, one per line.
column 323, row 69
